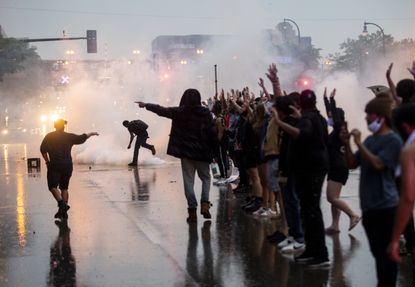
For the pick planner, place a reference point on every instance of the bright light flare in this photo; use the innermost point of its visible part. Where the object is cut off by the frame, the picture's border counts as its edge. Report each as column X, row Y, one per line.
column 54, row 117
column 5, row 131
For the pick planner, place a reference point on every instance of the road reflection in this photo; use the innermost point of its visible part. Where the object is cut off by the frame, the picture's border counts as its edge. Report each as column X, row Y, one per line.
column 140, row 188
column 199, row 263
column 62, row 262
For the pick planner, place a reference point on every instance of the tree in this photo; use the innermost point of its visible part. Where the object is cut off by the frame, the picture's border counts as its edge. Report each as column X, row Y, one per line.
column 14, row 54
column 355, row 52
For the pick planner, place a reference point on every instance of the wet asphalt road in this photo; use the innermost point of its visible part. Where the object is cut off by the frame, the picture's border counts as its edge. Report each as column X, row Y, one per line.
column 127, row 227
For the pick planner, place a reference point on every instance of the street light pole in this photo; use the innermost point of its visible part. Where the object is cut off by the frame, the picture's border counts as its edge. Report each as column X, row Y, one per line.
column 381, row 30
column 298, row 29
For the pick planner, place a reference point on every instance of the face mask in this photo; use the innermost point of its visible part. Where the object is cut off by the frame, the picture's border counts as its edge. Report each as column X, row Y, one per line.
column 375, row 126
column 330, row 122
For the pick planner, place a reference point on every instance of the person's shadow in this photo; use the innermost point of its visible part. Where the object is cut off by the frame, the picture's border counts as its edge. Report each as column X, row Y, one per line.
column 62, row 262
column 140, row 188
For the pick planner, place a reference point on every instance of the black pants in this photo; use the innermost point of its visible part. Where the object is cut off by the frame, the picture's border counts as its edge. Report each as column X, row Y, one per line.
column 309, row 187
column 240, row 164
column 378, row 225
column 140, row 141
column 222, row 157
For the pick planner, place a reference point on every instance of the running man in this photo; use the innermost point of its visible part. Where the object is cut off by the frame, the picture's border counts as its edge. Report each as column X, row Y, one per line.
column 56, row 151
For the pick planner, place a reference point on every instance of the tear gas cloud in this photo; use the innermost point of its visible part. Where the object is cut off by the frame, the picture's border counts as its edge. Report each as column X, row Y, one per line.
column 99, row 99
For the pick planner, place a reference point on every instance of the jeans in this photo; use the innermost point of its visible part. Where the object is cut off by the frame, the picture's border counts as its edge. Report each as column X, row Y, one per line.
column 378, row 225
column 189, row 167
column 292, row 211
column 309, row 187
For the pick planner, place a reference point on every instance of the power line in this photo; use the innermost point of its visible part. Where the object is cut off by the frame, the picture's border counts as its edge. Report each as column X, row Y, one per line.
column 109, row 13
column 190, row 17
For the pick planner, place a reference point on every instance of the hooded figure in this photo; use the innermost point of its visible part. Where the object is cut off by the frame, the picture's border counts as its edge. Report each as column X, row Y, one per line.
column 193, row 140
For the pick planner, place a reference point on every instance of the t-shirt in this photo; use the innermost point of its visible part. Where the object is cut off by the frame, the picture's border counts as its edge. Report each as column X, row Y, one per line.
column 58, row 145
column 378, row 189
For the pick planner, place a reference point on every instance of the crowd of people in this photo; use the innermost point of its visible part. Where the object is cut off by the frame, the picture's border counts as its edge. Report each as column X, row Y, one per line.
column 284, row 152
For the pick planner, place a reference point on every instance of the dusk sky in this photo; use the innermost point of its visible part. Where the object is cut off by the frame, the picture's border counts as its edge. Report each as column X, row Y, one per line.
column 126, row 25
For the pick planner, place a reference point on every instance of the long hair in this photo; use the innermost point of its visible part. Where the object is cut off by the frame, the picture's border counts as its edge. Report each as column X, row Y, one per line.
column 259, row 116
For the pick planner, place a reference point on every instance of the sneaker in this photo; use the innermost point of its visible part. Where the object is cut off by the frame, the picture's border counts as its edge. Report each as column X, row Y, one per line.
column 304, row 258
column 293, row 247
column 260, row 211
column 132, row 164
column 254, row 206
column 153, row 150
column 318, row 263
column 221, row 181
column 285, row 242
column 248, row 202
column 269, row 213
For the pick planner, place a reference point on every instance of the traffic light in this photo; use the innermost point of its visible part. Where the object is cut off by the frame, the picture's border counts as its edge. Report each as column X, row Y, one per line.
column 91, row 41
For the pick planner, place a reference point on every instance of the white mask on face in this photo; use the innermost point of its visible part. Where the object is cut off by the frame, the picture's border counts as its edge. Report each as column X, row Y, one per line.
column 330, row 122
column 375, row 126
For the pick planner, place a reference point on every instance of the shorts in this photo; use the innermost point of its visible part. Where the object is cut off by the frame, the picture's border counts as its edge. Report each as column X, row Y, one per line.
column 251, row 160
column 272, row 170
column 338, row 175
column 59, row 176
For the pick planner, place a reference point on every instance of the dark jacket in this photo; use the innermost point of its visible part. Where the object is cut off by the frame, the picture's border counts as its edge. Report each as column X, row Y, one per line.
column 192, row 133
column 311, row 154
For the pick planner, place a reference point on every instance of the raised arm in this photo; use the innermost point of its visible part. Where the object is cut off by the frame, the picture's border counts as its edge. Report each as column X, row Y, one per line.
column 157, row 109
column 273, row 77
column 262, row 86
column 326, row 103
column 337, row 120
column 392, row 86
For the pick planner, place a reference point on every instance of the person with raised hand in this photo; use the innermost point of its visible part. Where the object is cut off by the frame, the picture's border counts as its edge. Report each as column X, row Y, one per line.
column 192, row 140
column 56, row 151
column 338, row 171
column 378, row 157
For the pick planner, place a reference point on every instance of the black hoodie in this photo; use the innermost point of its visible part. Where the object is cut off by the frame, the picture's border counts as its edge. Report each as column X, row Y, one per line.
column 192, row 133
